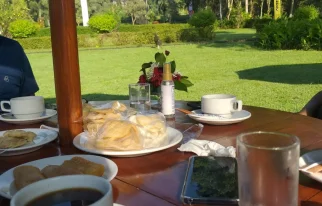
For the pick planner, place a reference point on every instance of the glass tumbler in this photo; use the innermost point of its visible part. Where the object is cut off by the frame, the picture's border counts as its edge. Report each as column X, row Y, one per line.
column 139, row 96
column 268, row 169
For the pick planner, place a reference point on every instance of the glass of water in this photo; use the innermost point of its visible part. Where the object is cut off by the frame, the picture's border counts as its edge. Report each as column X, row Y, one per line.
column 139, row 95
column 268, row 169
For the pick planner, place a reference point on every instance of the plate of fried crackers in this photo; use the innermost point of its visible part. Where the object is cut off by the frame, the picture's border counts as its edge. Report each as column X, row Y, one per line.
column 21, row 141
column 311, row 165
column 81, row 142
column 18, row 177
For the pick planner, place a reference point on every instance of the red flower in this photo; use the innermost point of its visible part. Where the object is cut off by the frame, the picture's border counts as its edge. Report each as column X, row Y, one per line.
column 177, row 77
column 167, row 52
column 142, row 79
column 156, row 79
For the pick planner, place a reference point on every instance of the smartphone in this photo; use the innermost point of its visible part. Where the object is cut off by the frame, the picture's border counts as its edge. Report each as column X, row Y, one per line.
column 194, row 104
column 211, row 180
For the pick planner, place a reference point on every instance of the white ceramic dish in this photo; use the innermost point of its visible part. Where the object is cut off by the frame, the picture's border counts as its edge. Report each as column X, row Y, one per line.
column 43, row 137
column 80, row 141
column 309, row 160
column 7, row 188
column 9, row 118
column 219, row 120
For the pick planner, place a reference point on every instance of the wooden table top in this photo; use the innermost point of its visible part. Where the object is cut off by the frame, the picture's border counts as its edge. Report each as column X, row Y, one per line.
column 156, row 179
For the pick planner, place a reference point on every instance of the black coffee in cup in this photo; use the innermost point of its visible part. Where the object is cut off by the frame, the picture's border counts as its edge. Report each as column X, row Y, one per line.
column 68, row 197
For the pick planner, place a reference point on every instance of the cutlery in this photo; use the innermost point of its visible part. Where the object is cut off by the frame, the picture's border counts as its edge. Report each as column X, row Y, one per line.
column 204, row 116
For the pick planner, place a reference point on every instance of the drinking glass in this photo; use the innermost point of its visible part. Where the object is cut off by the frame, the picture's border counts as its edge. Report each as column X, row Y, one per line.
column 140, row 96
column 268, row 169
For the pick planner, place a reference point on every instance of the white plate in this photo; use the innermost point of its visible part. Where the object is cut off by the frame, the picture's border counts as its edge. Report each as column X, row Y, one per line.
column 9, row 118
column 7, row 188
column 219, row 120
column 80, row 140
column 309, row 160
column 43, row 137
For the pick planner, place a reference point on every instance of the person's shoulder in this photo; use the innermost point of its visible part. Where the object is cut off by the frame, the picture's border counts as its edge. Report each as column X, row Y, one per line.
column 7, row 42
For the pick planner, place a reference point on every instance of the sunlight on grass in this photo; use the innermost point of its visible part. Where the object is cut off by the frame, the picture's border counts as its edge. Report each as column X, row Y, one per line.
column 267, row 78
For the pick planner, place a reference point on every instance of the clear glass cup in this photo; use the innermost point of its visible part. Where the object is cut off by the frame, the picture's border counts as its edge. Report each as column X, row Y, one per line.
column 268, row 169
column 139, row 96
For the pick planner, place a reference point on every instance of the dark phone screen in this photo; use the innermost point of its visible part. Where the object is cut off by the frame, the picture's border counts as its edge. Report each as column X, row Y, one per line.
column 211, row 180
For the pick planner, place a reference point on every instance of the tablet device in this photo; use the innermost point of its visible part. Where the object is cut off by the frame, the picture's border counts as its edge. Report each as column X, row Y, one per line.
column 211, row 180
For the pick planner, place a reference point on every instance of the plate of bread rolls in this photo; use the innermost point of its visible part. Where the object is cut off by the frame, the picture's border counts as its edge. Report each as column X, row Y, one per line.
column 18, row 177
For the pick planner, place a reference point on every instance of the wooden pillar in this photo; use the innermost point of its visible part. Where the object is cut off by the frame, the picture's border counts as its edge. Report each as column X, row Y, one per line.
column 66, row 69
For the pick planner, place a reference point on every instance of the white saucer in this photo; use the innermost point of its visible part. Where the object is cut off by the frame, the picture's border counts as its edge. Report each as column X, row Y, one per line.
column 219, row 120
column 81, row 142
column 9, row 118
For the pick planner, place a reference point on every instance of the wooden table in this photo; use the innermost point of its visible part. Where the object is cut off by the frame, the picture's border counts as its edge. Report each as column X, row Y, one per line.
column 157, row 179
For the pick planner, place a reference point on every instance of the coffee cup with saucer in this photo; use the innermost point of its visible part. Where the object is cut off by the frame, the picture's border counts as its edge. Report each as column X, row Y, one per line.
column 222, row 105
column 28, row 107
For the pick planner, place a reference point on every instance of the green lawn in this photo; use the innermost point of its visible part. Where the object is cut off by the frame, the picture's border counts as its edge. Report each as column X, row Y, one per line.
column 282, row 80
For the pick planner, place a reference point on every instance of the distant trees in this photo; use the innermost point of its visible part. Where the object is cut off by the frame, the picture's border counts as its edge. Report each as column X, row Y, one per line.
column 135, row 9
column 11, row 11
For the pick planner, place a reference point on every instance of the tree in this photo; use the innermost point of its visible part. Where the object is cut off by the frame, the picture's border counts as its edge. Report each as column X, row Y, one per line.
column 79, row 16
column 136, row 9
column 261, row 8
column 268, row 7
column 11, row 11
column 230, row 4
column 97, row 6
column 38, row 9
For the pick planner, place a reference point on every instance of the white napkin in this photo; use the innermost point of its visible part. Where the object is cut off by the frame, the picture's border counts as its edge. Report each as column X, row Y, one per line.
column 207, row 148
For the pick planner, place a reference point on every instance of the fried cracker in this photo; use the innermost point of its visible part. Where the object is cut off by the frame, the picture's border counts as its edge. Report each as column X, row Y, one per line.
column 84, row 166
column 25, row 175
column 58, row 170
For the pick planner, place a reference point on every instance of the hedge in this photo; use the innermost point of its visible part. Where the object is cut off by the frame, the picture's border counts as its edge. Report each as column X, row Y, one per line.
column 292, row 34
column 118, row 38
column 150, row 27
column 80, row 30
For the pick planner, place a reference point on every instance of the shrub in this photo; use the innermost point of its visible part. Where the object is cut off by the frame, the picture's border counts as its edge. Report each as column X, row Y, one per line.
column 80, row 30
column 150, row 27
column 292, row 34
column 306, row 12
column 23, row 28
column 36, row 42
column 202, row 19
column 102, row 23
column 190, row 35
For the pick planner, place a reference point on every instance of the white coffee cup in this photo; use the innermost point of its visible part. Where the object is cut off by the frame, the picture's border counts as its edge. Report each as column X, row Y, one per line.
column 220, row 104
column 25, row 107
column 43, row 187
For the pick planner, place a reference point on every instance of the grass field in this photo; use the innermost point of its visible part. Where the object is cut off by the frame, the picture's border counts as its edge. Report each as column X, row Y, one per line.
column 283, row 80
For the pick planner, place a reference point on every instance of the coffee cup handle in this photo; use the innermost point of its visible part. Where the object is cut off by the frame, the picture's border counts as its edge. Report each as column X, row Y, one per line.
column 3, row 108
column 239, row 104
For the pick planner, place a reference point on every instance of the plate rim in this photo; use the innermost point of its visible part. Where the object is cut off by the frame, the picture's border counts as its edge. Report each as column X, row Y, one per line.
column 54, row 112
column 55, row 135
column 222, row 120
column 3, row 194
column 76, row 143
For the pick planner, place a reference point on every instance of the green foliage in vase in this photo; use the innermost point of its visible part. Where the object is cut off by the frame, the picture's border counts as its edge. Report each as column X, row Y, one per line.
column 153, row 71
